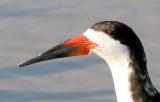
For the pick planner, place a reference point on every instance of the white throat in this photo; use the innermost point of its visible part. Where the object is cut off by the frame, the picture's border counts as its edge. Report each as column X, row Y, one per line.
column 118, row 59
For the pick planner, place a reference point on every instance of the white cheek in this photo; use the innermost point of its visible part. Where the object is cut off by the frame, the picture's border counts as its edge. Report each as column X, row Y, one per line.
column 109, row 49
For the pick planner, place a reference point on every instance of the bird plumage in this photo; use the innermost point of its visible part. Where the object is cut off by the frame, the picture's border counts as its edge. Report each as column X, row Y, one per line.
column 122, row 50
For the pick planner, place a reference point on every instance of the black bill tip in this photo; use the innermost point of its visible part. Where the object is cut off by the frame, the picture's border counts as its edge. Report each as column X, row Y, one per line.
column 63, row 52
column 21, row 65
column 31, row 61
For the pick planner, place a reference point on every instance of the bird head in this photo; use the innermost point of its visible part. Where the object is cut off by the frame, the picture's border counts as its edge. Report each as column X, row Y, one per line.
column 111, row 40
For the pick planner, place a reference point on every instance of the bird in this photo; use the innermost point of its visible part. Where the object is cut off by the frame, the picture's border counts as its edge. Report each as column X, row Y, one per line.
column 119, row 46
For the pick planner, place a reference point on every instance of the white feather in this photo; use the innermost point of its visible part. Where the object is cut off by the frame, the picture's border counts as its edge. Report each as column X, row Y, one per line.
column 117, row 57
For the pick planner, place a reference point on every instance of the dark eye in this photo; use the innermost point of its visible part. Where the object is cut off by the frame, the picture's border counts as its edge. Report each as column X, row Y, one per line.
column 84, row 42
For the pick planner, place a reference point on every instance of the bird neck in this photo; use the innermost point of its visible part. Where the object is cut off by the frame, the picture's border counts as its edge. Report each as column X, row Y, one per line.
column 131, row 80
column 127, row 62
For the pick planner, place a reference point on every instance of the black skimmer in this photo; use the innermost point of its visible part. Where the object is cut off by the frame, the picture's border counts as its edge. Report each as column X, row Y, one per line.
column 122, row 50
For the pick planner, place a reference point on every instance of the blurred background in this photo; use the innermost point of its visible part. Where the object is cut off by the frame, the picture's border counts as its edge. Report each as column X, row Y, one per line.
column 29, row 27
